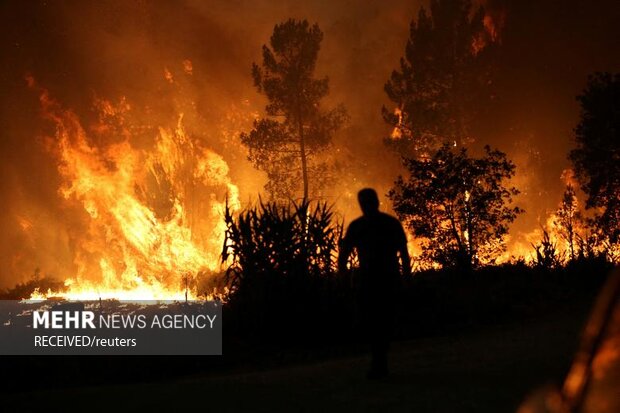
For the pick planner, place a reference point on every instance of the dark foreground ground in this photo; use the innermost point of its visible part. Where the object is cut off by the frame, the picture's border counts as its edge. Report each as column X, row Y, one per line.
column 481, row 370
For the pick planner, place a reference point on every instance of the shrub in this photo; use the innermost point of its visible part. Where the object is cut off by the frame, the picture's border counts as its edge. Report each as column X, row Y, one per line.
column 282, row 266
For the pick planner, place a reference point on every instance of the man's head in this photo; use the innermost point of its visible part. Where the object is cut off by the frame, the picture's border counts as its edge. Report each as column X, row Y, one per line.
column 369, row 201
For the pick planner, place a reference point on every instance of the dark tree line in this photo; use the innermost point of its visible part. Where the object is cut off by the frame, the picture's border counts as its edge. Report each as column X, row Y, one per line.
column 459, row 205
column 596, row 158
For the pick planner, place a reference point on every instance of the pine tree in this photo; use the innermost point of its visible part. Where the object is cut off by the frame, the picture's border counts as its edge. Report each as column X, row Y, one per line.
column 287, row 144
column 444, row 78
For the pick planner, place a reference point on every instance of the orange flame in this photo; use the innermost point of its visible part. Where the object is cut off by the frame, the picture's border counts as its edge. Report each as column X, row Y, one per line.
column 151, row 217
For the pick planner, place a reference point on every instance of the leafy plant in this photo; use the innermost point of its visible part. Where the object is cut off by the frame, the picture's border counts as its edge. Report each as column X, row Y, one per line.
column 291, row 240
column 282, row 260
column 547, row 254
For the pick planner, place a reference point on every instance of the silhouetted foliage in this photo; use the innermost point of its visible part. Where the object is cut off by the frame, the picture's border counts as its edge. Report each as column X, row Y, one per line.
column 547, row 254
column 587, row 245
column 444, row 78
column 593, row 245
column 24, row 290
column 458, row 205
column 568, row 219
column 286, row 145
column 282, row 259
column 596, row 158
column 294, row 239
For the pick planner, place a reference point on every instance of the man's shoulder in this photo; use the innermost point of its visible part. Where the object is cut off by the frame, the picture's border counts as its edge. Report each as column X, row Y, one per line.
column 389, row 218
column 380, row 217
column 357, row 222
column 393, row 224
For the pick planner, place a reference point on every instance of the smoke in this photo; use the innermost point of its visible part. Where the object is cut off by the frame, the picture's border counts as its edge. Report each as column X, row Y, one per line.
column 82, row 51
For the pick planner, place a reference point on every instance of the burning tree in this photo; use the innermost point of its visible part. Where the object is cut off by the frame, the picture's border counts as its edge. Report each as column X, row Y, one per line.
column 286, row 145
column 444, row 77
column 597, row 155
column 458, row 205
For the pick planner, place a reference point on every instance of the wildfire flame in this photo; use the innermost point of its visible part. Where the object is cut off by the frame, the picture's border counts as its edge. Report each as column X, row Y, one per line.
column 151, row 217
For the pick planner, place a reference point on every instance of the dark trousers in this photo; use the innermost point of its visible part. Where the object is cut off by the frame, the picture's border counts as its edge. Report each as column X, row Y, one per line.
column 378, row 308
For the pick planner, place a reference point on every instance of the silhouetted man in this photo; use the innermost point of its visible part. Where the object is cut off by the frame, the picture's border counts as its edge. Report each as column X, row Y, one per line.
column 378, row 239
